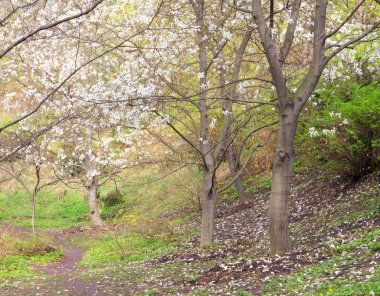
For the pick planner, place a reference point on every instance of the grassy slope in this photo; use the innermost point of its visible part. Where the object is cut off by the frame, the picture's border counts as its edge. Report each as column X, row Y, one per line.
column 334, row 228
column 52, row 210
column 336, row 249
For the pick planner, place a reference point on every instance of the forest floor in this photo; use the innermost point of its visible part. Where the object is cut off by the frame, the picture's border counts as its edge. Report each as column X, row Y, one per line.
column 335, row 226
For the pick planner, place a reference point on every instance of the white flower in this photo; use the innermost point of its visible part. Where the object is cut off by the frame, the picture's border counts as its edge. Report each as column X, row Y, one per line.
column 227, row 35
column 288, row 18
column 212, row 27
column 166, row 119
column 212, row 123
column 226, row 112
column 329, row 132
column 203, row 141
column 345, row 121
column 313, row 132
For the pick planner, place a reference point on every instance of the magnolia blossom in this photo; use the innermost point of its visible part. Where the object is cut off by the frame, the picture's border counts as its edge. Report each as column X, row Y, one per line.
column 329, row 132
column 212, row 123
column 313, row 132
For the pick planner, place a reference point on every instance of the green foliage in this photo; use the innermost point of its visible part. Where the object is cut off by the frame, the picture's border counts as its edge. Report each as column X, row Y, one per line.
column 258, row 183
column 112, row 198
column 323, row 276
column 18, row 266
column 344, row 287
column 373, row 206
column 35, row 246
column 213, row 245
column 23, row 253
column 51, row 211
column 112, row 204
column 129, row 247
column 14, row 267
column 150, row 292
column 368, row 243
column 167, row 201
column 342, row 134
column 231, row 194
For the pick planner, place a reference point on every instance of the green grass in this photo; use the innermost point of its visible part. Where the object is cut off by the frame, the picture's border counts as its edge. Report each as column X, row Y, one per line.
column 19, row 266
column 345, row 287
column 258, row 183
column 128, row 247
column 18, row 255
column 51, row 211
column 316, row 279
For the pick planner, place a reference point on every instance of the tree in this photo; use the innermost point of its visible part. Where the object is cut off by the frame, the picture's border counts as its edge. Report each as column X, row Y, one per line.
column 291, row 100
column 26, row 169
column 198, row 50
column 65, row 43
column 31, row 12
column 91, row 154
column 79, row 73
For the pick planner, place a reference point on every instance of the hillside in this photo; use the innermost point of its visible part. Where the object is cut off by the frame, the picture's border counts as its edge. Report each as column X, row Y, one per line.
column 335, row 227
column 192, row 147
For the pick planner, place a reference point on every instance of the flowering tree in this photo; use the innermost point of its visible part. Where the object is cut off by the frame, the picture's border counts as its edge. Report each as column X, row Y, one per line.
column 27, row 169
column 198, row 50
column 33, row 74
column 87, row 76
column 324, row 35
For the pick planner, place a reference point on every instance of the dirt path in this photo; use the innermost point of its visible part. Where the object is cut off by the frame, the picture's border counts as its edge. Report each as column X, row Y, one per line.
column 60, row 278
column 67, row 265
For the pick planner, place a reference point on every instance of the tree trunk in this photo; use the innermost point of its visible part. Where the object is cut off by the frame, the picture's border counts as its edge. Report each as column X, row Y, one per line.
column 209, row 205
column 94, row 206
column 92, row 183
column 234, row 169
column 281, row 177
column 33, row 212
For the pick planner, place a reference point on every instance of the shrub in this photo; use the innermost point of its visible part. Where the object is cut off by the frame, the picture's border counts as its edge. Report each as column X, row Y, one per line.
column 150, row 229
column 35, row 246
column 342, row 134
column 112, row 198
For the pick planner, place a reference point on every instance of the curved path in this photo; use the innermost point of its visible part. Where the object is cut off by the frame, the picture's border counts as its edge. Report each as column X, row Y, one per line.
column 64, row 277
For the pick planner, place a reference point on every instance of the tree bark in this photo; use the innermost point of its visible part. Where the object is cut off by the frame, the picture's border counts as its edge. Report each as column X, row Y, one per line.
column 92, row 183
column 94, row 205
column 280, row 241
column 234, row 169
column 33, row 211
column 209, row 206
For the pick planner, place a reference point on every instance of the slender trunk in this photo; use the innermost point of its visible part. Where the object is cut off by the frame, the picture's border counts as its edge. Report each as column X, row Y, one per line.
column 209, row 205
column 33, row 212
column 92, row 185
column 209, row 193
column 281, row 177
column 234, row 169
column 94, row 206
column 33, row 196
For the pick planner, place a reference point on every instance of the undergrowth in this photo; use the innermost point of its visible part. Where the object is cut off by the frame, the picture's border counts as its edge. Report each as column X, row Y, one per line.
column 52, row 211
column 127, row 247
column 341, row 274
column 17, row 256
